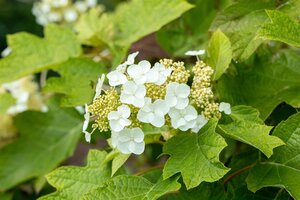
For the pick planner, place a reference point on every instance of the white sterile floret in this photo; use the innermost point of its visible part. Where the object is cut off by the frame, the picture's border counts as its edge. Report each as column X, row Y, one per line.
column 129, row 61
column 99, row 86
column 195, row 53
column 163, row 73
column 86, row 123
column 134, row 94
column 119, row 119
column 225, row 107
column 54, row 17
column 153, row 113
column 177, row 95
column 70, row 15
column 200, row 122
column 129, row 141
column 142, row 73
column 116, row 78
column 183, row 119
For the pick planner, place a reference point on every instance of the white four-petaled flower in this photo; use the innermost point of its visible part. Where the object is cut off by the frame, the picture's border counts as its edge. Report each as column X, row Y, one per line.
column 200, row 122
column 134, row 94
column 183, row 119
column 177, row 95
column 99, row 86
column 225, row 107
column 163, row 73
column 119, row 119
column 153, row 113
column 142, row 73
column 129, row 141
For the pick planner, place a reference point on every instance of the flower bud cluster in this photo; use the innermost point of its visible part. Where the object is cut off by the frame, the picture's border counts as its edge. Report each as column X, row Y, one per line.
column 60, row 11
column 155, row 95
column 201, row 91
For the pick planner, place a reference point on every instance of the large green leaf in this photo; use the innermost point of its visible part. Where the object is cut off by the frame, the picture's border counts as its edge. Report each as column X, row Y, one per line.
column 132, row 188
column 249, row 128
column 31, row 54
column 240, row 23
column 196, row 156
column 73, row 182
column 283, row 168
column 281, row 28
column 219, row 53
column 265, row 83
column 75, row 82
column 46, row 139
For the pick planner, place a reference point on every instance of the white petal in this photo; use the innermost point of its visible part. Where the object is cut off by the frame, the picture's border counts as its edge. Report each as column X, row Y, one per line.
column 200, row 122
column 87, row 136
column 134, row 71
column 113, row 115
column 183, row 90
column 144, row 65
column 195, row 53
column 152, row 76
column 137, row 134
column 143, row 116
column 114, row 138
column 123, row 147
column 115, row 125
column 171, row 100
column 178, row 122
column 131, row 57
column 172, row 87
column 141, row 91
column 138, row 102
column 182, row 103
column 161, row 105
column 139, row 148
column 130, row 87
column 85, row 125
column 124, row 122
column 225, row 107
column 124, row 111
column 158, row 121
column 99, row 86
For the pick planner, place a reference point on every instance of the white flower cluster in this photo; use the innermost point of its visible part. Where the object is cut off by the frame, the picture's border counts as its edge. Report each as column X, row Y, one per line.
column 175, row 105
column 59, row 11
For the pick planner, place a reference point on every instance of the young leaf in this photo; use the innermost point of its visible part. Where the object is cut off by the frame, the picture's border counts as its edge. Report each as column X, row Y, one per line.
column 75, row 81
column 133, row 188
column 219, row 53
column 73, row 182
column 31, row 54
column 265, row 83
column 281, row 28
column 240, row 22
column 196, row 156
column 282, row 169
column 46, row 139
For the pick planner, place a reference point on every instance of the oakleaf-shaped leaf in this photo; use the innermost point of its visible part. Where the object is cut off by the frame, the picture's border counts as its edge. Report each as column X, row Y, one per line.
column 75, row 82
column 281, row 28
column 283, row 168
column 46, row 139
column 73, row 182
column 219, row 53
column 31, row 54
column 133, row 188
column 250, row 130
column 196, row 156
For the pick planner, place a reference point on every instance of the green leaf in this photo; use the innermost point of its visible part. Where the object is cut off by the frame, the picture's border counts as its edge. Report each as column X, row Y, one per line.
column 46, row 139
column 264, row 83
column 219, row 53
column 31, row 54
column 240, row 23
column 133, row 188
column 281, row 28
column 248, row 128
column 283, row 168
column 6, row 101
column 75, row 82
column 196, row 156
column 73, row 182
